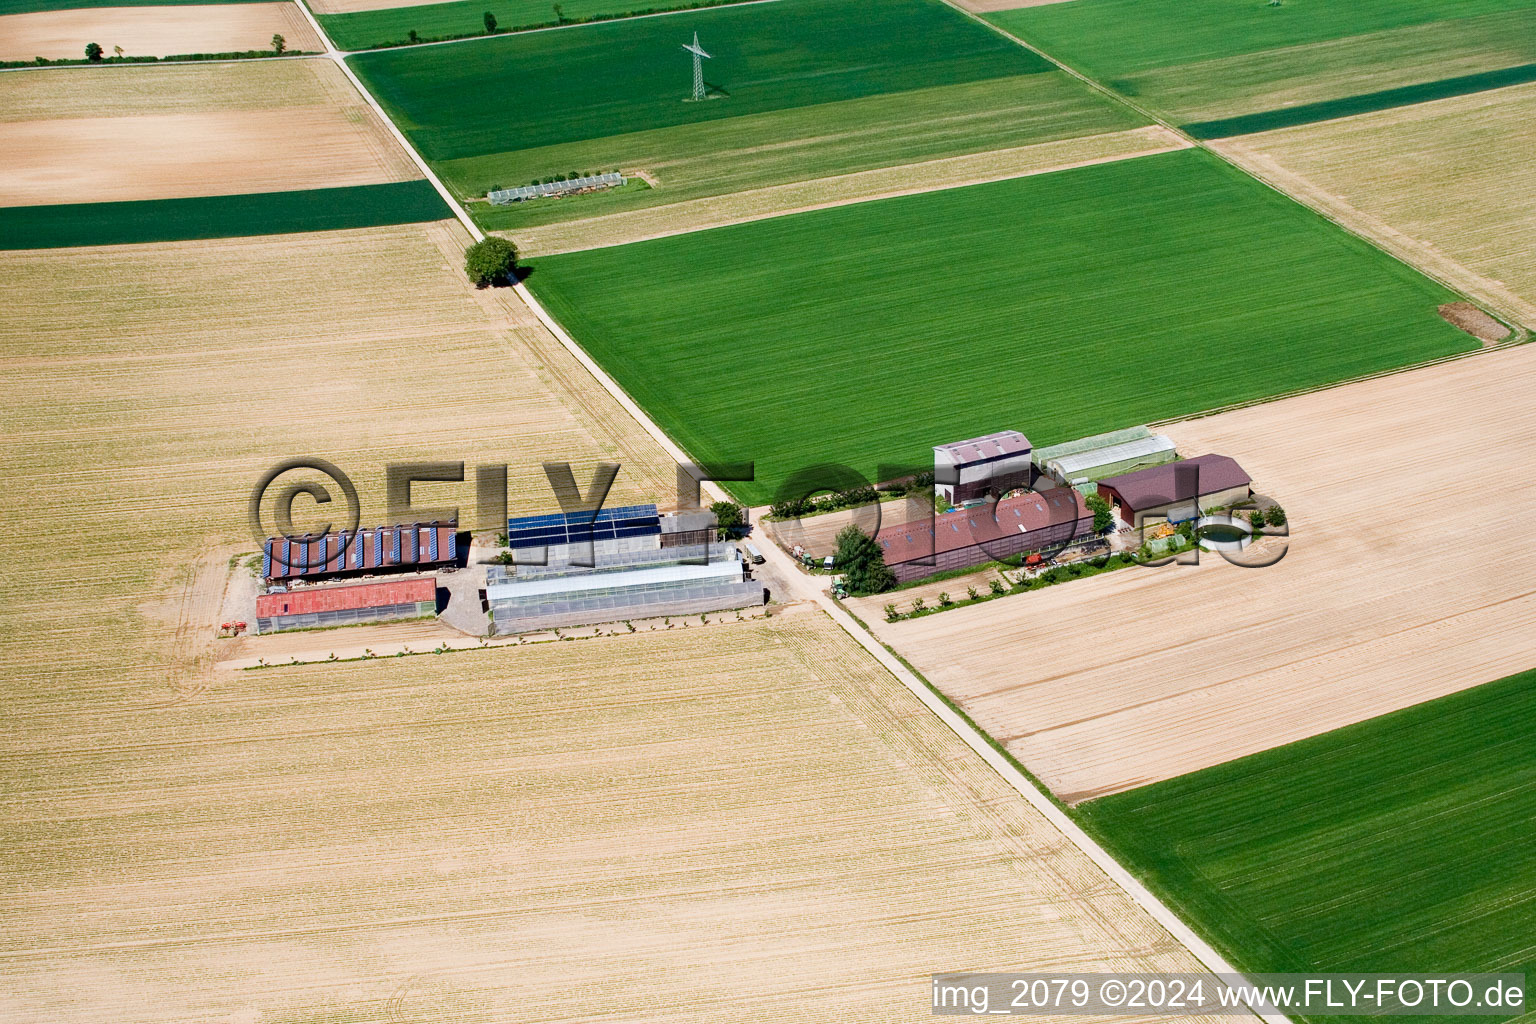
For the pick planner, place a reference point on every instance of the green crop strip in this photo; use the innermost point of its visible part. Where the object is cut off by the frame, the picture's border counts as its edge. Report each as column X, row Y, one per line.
column 1385, row 99
column 265, row 213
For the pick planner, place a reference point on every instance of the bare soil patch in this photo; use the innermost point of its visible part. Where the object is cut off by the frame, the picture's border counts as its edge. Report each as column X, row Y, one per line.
column 154, row 31
column 1474, row 321
column 161, row 156
column 818, row 534
column 163, row 146
column 1405, row 579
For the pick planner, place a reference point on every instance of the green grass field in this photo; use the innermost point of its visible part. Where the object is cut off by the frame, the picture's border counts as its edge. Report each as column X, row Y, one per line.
column 359, row 30
column 1060, row 304
column 1195, row 60
column 740, row 153
column 803, row 89
column 1402, row 843
column 612, row 78
column 265, row 213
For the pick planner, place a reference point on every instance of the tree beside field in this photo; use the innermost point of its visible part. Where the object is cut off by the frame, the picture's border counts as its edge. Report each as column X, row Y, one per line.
column 279, row 44
column 729, row 518
column 862, row 562
column 1103, row 515
column 490, row 261
column 490, row 23
column 93, row 52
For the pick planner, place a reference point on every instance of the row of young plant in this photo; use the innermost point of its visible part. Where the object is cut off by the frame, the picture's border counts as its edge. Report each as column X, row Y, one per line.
column 493, row 27
column 1181, row 541
column 802, row 508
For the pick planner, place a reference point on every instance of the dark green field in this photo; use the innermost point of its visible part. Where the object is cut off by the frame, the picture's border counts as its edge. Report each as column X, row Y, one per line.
column 1196, row 60
column 1403, row 843
column 802, row 89
column 359, row 30
column 592, row 81
column 1061, row 304
column 266, row 213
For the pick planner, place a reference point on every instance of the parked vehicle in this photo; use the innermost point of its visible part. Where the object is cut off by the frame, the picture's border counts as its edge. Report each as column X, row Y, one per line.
column 753, row 554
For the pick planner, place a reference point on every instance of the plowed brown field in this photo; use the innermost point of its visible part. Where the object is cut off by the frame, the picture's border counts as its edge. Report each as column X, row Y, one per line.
column 1408, row 576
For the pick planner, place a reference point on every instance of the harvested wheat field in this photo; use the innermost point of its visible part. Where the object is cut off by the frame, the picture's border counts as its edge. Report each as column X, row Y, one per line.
column 155, row 31
column 1448, row 185
column 861, row 186
column 148, row 387
column 745, row 822
column 188, row 131
column 749, row 820
column 1408, row 577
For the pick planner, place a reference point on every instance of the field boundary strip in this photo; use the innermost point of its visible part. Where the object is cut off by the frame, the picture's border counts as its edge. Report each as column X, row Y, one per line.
column 1361, row 103
column 1116, row 872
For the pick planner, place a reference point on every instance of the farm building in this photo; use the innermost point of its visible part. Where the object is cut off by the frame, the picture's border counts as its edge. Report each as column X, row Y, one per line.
column 315, row 607
column 564, row 537
column 635, row 585
column 686, row 529
column 1077, row 469
column 1174, row 491
column 996, row 464
column 353, row 553
column 975, row 536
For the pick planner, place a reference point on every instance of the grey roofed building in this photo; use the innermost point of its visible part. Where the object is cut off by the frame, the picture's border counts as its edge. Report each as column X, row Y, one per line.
column 996, row 463
column 667, row 581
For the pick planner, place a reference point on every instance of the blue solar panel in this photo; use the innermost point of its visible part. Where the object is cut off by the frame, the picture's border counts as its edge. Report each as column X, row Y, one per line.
column 565, row 528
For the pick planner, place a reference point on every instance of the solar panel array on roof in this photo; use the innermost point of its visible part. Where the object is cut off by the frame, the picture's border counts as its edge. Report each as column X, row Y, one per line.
column 579, row 527
column 380, row 548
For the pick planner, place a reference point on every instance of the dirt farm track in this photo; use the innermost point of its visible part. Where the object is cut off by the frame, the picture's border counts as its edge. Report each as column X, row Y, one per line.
column 1409, row 576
